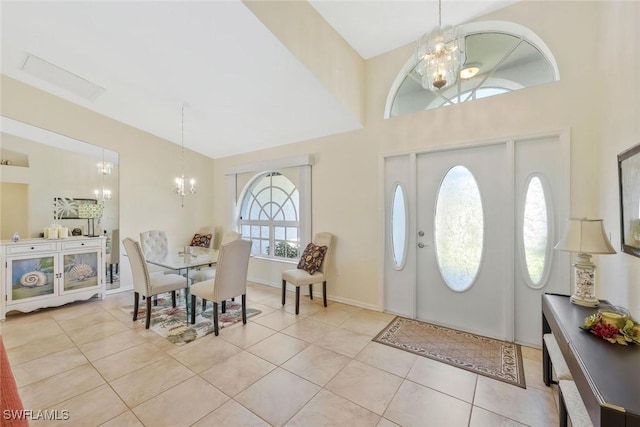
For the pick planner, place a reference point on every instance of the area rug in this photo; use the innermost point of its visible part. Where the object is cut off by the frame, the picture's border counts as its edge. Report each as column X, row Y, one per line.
column 171, row 323
column 492, row 358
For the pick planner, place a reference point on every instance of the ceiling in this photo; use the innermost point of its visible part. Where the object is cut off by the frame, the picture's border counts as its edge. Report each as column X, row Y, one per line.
column 241, row 88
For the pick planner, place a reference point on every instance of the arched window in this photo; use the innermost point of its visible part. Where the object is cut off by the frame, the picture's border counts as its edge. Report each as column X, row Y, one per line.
column 270, row 216
column 504, row 57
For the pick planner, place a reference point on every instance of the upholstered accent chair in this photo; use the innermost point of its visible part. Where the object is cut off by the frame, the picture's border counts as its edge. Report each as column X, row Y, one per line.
column 230, row 280
column 149, row 285
column 301, row 277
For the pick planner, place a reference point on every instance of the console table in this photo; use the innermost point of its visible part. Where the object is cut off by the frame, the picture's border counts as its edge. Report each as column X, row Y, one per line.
column 38, row 273
column 607, row 375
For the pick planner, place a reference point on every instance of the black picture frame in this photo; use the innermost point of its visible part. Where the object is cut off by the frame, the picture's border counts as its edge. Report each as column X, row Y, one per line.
column 67, row 207
column 629, row 184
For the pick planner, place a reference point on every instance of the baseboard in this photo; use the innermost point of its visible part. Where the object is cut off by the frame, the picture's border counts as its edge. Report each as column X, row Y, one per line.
column 317, row 294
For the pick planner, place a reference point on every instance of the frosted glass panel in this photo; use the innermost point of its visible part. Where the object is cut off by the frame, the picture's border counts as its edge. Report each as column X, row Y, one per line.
column 535, row 230
column 459, row 228
column 398, row 226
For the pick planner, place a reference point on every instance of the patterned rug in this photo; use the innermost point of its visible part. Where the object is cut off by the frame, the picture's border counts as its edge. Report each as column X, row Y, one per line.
column 171, row 323
column 492, row 358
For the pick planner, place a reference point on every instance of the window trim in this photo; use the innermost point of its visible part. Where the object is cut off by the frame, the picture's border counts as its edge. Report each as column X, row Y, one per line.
column 304, row 165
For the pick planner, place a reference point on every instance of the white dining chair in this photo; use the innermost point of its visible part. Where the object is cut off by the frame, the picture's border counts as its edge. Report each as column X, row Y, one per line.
column 207, row 273
column 230, row 280
column 301, row 277
column 149, row 285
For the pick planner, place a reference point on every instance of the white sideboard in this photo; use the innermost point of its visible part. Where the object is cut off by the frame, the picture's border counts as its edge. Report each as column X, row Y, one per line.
column 39, row 273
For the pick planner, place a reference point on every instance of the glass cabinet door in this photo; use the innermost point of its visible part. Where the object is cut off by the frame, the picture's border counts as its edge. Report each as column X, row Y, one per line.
column 32, row 277
column 80, row 271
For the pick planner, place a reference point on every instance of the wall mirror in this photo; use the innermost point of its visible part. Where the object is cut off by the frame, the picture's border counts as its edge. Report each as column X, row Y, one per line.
column 44, row 175
column 629, row 181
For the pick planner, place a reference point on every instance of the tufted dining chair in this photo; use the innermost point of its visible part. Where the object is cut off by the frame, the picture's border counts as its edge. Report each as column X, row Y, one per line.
column 301, row 277
column 154, row 243
column 149, row 285
column 230, row 280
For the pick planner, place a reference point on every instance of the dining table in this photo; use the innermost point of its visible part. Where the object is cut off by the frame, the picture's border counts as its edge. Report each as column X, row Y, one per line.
column 183, row 260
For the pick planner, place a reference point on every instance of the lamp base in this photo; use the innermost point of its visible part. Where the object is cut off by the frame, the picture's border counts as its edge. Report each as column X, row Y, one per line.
column 585, row 302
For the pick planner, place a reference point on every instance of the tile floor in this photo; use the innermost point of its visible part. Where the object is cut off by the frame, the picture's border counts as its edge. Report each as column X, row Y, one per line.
column 316, row 369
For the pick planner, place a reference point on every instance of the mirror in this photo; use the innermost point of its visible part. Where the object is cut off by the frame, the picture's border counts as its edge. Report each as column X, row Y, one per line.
column 43, row 175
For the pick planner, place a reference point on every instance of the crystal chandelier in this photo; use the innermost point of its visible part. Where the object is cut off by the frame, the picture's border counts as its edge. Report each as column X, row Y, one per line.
column 438, row 56
column 104, row 168
column 102, row 195
column 182, row 185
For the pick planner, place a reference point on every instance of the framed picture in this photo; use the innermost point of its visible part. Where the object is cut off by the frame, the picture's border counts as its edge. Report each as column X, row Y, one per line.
column 629, row 181
column 67, row 208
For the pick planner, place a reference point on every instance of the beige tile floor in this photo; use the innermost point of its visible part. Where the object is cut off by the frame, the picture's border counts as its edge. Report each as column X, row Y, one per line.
column 316, row 369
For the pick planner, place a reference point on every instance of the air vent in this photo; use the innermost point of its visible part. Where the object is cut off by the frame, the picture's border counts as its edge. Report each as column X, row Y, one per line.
column 53, row 74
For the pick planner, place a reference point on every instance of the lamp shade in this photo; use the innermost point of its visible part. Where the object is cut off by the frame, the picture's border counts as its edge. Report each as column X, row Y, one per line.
column 584, row 235
column 89, row 210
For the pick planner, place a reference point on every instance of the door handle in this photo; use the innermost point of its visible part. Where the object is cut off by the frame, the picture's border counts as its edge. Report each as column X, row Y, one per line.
column 421, row 245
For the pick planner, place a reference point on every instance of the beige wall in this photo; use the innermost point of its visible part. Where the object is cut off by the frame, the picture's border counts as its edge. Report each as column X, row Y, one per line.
column 345, row 177
column 620, row 108
column 148, row 164
column 601, row 114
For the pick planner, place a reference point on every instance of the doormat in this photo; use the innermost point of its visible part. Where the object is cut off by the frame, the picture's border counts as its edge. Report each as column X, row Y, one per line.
column 492, row 358
column 171, row 323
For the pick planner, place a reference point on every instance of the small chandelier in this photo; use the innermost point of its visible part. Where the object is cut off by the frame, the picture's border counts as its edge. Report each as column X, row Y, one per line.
column 438, row 56
column 102, row 195
column 104, row 168
column 180, row 187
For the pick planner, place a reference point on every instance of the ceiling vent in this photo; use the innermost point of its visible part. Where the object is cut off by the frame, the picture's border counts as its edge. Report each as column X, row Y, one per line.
column 62, row 78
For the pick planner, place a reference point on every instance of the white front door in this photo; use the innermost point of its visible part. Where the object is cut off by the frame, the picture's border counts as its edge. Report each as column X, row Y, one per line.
column 476, row 234
column 464, row 239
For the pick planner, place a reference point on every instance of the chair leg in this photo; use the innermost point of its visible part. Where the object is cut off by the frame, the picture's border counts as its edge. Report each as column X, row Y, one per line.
column 224, row 306
column 193, row 309
column 324, row 292
column 215, row 318
column 244, row 308
column 173, row 298
column 147, row 323
column 136, row 301
column 297, row 299
column 155, row 300
column 311, row 291
column 204, row 305
column 284, row 291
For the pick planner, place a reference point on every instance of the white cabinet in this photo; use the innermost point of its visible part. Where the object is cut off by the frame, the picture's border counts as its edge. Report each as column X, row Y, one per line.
column 38, row 273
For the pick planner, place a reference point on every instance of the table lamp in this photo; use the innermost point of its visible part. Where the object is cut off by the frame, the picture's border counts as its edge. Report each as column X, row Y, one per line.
column 90, row 211
column 585, row 237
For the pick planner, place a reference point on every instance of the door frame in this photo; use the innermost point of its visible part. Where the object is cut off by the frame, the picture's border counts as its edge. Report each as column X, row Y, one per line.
column 564, row 138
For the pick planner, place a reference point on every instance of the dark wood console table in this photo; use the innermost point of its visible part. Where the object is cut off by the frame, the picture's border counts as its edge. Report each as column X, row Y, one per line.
column 607, row 375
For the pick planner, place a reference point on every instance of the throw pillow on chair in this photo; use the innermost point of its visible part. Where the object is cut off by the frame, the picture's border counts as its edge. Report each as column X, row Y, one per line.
column 312, row 258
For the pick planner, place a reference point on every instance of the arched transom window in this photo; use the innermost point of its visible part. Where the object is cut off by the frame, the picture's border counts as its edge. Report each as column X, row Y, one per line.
column 270, row 215
column 497, row 57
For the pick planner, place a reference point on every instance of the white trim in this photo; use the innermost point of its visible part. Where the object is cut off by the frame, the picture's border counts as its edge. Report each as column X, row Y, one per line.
column 510, row 297
column 333, row 298
column 302, row 160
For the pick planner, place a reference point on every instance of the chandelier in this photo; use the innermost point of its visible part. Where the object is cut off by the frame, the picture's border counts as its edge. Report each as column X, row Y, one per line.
column 102, row 195
column 438, row 56
column 183, row 186
column 104, row 168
